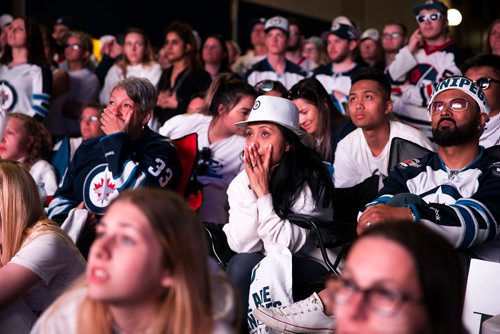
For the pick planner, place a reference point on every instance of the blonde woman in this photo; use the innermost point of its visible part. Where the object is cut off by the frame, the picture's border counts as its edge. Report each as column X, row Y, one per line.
column 148, row 272
column 138, row 61
column 37, row 259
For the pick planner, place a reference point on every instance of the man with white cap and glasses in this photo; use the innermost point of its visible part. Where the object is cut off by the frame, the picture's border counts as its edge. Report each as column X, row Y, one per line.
column 275, row 66
column 429, row 57
column 454, row 191
column 341, row 43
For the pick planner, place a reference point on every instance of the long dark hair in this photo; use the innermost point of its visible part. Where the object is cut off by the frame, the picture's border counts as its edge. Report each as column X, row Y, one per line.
column 299, row 167
column 312, row 91
column 34, row 44
column 185, row 32
column 439, row 269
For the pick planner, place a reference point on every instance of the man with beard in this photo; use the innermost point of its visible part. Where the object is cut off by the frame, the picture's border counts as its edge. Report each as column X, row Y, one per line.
column 335, row 77
column 455, row 191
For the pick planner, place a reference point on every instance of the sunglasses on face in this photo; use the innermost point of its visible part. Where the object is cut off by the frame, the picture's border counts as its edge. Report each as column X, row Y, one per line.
column 428, row 17
column 456, row 104
column 484, row 83
column 392, row 35
column 73, row 46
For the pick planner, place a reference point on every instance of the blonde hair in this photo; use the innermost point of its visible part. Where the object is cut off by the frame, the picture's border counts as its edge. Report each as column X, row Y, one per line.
column 148, row 58
column 185, row 307
column 21, row 210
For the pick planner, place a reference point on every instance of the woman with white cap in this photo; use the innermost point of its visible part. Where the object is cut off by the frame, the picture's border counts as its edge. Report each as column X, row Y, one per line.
column 281, row 177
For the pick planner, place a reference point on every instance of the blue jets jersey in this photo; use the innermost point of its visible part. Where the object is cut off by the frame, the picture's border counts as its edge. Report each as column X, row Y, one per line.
column 103, row 167
column 462, row 205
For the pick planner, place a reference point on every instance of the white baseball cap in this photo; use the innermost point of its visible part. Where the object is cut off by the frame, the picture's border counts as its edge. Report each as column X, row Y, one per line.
column 371, row 33
column 274, row 110
column 276, row 22
column 5, row 19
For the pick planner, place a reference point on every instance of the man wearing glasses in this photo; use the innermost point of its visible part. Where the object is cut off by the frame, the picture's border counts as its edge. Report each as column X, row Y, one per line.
column 485, row 71
column 429, row 57
column 455, row 191
column 393, row 39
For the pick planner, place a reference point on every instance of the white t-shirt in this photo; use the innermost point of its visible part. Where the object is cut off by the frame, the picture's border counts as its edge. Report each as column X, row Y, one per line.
column 56, row 261
column 223, row 165
column 151, row 72
column 354, row 161
column 42, row 171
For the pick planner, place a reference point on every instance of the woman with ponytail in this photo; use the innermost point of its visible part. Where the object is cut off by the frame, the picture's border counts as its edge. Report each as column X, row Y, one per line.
column 228, row 100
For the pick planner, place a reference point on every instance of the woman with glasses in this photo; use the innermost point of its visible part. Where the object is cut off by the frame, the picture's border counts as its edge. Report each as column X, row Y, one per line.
column 228, row 100
column 318, row 117
column 399, row 278
column 25, row 84
column 138, row 62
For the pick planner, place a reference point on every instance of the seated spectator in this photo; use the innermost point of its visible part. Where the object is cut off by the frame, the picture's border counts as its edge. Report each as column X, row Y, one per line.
column 220, row 142
column 27, row 141
column 258, row 49
column 484, row 70
column 492, row 41
column 196, row 103
column 365, row 151
column 129, row 155
column 37, row 259
column 393, row 39
column 148, row 272
column 90, row 127
column 281, row 176
column 409, row 279
column 184, row 78
column 314, row 53
column 233, row 52
column 318, row 117
column 453, row 191
column 370, row 49
column 26, row 76
column 215, row 56
column 138, row 62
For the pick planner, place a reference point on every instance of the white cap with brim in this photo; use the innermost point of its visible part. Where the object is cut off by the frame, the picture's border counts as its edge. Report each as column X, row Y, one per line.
column 5, row 19
column 278, row 22
column 272, row 109
column 465, row 85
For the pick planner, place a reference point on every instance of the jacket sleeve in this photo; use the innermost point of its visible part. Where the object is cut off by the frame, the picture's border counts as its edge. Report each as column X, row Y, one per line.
column 42, row 88
column 157, row 163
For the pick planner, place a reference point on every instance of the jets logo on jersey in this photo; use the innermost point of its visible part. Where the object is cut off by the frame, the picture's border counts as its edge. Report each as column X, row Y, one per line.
column 99, row 189
column 422, row 72
column 8, row 96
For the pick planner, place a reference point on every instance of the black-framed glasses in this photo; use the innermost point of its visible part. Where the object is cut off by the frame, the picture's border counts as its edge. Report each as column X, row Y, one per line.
column 428, row 17
column 384, row 301
column 456, row 104
column 73, row 46
column 90, row 119
column 392, row 35
column 484, row 83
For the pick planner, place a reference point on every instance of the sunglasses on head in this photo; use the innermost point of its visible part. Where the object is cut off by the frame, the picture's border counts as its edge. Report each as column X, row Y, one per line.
column 484, row 83
column 456, row 104
column 428, row 17
column 265, row 86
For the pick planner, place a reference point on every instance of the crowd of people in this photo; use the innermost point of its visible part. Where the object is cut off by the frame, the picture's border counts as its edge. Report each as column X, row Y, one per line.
column 96, row 235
